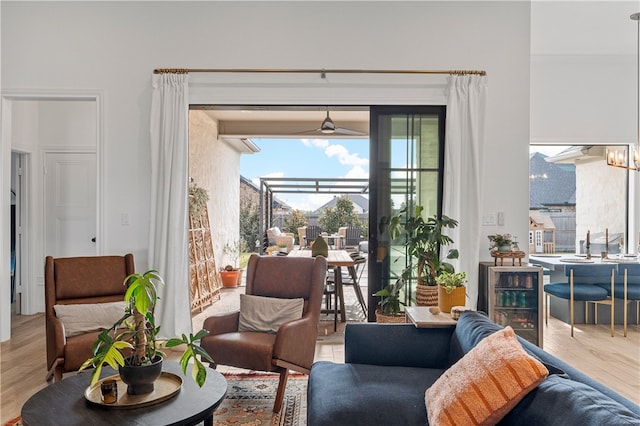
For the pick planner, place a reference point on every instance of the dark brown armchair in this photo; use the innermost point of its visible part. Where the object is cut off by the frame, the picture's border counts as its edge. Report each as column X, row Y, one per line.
column 77, row 281
column 292, row 347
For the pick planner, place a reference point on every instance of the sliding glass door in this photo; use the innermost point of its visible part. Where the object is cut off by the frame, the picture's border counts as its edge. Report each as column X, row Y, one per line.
column 407, row 157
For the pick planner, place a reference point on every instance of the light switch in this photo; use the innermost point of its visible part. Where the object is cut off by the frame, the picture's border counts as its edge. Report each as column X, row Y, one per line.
column 124, row 219
column 489, row 219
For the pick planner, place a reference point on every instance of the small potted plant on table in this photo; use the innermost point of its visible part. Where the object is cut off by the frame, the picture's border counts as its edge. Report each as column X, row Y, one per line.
column 500, row 242
column 136, row 334
column 451, row 290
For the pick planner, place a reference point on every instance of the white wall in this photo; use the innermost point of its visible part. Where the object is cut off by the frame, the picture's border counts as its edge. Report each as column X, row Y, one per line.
column 114, row 46
column 215, row 166
column 584, row 88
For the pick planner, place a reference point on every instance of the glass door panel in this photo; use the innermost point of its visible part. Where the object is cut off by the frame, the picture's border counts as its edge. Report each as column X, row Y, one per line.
column 407, row 157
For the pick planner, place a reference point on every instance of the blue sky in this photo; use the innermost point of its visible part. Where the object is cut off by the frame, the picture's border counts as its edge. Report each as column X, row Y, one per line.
column 306, row 158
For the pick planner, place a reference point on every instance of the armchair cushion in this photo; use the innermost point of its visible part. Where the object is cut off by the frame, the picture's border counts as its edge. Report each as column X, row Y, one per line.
column 266, row 314
column 84, row 318
column 485, row 384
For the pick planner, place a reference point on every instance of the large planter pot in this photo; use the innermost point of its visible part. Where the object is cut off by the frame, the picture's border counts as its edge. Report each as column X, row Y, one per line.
column 426, row 295
column 140, row 378
column 230, row 278
column 380, row 317
column 447, row 300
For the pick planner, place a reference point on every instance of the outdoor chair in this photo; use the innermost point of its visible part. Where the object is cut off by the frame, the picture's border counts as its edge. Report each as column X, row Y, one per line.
column 81, row 288
column 261, row 336
column 278, row 238
column 585, row 284
column 311, row 233
column 352, row 238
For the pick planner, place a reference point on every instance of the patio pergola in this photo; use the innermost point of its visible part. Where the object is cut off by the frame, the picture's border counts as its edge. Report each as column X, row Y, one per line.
column 271, row 186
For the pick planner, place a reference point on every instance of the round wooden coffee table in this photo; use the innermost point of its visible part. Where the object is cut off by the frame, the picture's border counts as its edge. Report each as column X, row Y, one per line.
column 63, row 403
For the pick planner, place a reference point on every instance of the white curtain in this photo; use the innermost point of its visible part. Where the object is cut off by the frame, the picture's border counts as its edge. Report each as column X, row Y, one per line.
column 168, row 211
column 464, row 141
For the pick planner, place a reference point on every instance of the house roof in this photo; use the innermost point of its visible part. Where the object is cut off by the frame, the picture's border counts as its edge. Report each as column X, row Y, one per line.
column 543, row 219
column 357, row 199
column 550, row 184
column 277, row 203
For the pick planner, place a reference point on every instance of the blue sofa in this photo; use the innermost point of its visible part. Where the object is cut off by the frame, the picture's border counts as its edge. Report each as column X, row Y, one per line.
column 388, row 367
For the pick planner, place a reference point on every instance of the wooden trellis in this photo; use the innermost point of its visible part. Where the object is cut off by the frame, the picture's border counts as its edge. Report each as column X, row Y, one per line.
column 204, row 283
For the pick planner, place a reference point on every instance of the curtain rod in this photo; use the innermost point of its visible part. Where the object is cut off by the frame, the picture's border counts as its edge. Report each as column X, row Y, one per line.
column 322, row 72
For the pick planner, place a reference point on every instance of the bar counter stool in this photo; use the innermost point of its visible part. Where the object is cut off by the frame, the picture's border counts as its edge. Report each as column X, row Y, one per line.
column 585, row 284
column 627, row 289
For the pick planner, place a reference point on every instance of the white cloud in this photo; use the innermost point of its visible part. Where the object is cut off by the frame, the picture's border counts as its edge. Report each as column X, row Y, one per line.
column 357, row 172
column 336, row 150
column 256, row 180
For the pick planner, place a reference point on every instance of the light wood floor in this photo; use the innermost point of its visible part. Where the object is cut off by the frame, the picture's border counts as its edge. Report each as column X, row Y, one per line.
column 614, row 361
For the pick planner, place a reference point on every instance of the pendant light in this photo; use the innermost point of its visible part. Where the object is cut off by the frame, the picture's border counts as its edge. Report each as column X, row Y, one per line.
column 618, row 158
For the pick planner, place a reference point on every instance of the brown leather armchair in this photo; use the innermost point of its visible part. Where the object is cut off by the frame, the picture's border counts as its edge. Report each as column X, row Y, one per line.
column 293, row 346
column 78, row 280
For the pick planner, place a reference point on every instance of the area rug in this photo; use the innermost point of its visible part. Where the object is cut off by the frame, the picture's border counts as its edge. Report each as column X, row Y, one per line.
column 250, row 399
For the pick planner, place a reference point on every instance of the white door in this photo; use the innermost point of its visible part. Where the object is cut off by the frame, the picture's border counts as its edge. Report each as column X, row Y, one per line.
column 539, row 247
column 70, row 204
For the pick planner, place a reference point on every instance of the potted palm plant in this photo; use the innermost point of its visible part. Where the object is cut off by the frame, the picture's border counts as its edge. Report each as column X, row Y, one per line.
column 424, row 238
column 132, row 342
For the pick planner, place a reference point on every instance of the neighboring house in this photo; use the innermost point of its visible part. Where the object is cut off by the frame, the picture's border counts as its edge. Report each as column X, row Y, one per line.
column 250, row 190
column 280, row 210
column 551, row 186
column 552, row 202
column 542, row 233
column 360, row 204
column 360, row 207
column 600, row 195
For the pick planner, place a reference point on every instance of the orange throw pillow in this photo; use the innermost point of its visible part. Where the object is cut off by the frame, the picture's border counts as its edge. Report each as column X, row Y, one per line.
column 485, row 384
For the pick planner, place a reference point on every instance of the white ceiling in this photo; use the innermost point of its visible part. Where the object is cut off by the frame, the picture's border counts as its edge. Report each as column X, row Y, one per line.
column 287, row 122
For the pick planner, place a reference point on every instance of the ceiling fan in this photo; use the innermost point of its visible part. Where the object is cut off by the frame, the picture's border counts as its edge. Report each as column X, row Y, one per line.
column 328, row 127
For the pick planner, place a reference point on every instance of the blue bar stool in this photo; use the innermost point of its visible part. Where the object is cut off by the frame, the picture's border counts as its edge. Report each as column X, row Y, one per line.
column 582, row 286
column 627, row 288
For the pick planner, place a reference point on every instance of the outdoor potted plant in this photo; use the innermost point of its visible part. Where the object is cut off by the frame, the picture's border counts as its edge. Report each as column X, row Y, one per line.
column 501, row 242
column 451, row 290
column 389, row 304
column 131, row 344
column 230, row 274
column 423, row 241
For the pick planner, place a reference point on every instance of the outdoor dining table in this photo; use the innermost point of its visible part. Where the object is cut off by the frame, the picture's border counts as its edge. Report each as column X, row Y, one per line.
column 336, row 259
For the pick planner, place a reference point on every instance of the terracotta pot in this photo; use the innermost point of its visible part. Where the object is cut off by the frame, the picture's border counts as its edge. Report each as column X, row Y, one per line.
column 230, row 278
column 447, row 300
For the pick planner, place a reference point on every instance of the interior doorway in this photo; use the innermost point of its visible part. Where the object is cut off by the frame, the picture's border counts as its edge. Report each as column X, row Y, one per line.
column 34, row 124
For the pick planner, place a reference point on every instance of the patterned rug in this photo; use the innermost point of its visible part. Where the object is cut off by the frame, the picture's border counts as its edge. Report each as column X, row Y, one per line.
column 250, row 400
